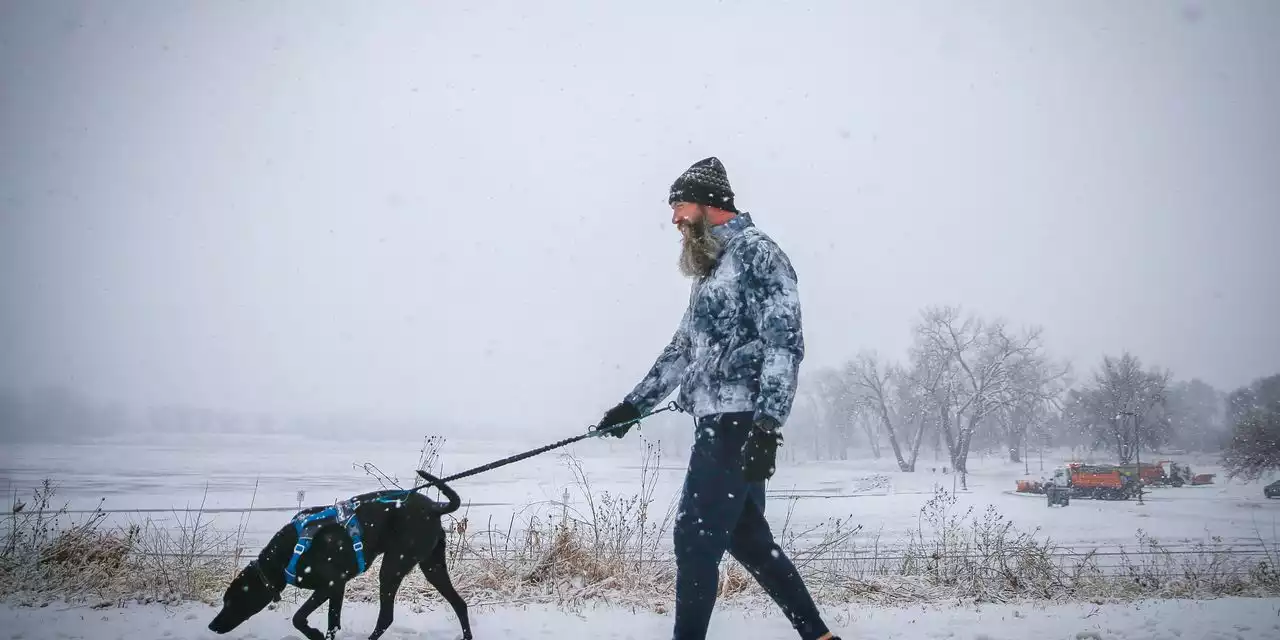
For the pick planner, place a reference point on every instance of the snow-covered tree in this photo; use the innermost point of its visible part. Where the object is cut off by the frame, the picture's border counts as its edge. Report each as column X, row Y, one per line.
column 1195, row 413
column 979, row 364
column 1123, row 407
column 886, row 394
column 1255, row 437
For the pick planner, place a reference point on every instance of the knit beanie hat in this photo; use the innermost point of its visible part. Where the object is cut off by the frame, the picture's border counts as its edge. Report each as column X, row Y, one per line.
column 706, row 182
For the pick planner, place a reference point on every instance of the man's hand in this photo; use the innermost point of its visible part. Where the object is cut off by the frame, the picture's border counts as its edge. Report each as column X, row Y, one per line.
column 624, row 412
column 761, row 450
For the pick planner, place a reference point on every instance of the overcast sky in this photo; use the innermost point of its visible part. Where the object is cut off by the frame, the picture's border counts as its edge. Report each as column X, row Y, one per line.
column 441, row 211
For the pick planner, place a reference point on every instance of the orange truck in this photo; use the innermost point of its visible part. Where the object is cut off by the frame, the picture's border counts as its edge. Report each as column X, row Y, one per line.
column 1100, row 482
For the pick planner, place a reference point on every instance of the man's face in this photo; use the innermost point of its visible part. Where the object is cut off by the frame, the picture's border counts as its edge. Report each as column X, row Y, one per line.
column 699, row 249
column 687, row 212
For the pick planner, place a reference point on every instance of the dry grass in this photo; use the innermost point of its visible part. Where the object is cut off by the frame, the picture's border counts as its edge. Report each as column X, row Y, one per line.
column 47, row 551
column 599, row 546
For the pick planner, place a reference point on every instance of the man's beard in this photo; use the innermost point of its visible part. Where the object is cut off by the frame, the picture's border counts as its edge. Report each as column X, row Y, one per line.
column 699, row 249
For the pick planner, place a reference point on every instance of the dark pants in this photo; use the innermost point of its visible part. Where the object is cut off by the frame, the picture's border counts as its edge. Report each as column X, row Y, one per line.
column 721, row 511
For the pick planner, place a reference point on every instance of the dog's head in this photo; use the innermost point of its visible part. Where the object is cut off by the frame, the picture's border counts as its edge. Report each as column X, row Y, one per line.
column 249, row 593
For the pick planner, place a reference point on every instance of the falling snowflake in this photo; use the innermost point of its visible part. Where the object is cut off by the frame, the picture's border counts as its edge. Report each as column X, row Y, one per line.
column 775, row 553
column 307, row 570
column 731, row 495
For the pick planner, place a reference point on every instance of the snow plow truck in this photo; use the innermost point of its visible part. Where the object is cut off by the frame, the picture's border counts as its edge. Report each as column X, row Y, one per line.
column 1097, row 481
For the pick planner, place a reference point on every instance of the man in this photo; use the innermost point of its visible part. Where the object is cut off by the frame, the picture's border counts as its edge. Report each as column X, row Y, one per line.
column 735, row 356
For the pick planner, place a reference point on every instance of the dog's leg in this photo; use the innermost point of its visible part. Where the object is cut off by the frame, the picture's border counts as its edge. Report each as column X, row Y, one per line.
column 300, row 616
column 335, row 611
column 389, row 578
column 437, row 573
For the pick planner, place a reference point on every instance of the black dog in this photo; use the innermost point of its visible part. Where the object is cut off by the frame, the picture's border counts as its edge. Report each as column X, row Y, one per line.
column 401, row 526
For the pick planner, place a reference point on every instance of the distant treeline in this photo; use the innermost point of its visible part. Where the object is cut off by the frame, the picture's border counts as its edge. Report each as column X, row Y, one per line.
column 60, row 414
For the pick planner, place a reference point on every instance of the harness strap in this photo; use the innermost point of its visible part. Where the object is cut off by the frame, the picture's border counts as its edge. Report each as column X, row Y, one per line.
column 344, row 513
column 357, row 541
column 305, row 526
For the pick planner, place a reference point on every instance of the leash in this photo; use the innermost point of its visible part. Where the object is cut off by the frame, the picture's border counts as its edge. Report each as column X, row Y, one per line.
column 592, row 432
column 352, row 524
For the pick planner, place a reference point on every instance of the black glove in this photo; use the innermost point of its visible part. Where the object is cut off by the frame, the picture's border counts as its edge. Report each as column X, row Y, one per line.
column 624, row 412
column 761, row 450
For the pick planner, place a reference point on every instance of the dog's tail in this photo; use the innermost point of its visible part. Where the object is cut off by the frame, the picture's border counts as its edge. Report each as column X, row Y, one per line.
column 454, row 500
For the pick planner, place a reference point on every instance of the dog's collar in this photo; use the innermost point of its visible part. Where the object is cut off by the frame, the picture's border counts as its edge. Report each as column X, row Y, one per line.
column 262, row 575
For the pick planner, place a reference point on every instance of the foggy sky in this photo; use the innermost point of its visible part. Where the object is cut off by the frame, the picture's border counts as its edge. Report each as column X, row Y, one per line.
column 443, row 211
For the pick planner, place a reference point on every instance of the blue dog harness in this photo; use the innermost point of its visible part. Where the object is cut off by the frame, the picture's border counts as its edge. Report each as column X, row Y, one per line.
column 308, row 522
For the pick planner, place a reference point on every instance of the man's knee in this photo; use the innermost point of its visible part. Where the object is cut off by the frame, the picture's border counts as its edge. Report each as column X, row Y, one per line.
column 694, row 539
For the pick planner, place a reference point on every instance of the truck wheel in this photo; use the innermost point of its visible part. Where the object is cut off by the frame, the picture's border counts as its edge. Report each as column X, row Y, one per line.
column 1178, row 482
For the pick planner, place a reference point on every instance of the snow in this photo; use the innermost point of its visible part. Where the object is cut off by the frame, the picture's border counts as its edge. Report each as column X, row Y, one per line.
column 159, row 473
column 1221, row 619
column 149, row 473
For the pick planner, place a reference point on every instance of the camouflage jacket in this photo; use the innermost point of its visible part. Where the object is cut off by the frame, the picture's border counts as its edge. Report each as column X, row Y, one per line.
column 739, row 345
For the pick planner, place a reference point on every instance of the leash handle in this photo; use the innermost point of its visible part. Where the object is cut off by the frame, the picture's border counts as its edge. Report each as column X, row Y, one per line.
column 592, row 432
column 596, row 432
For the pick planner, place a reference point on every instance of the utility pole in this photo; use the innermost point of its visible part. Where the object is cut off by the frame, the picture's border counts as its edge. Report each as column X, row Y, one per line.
column 1026, row 464
column 1040, row 450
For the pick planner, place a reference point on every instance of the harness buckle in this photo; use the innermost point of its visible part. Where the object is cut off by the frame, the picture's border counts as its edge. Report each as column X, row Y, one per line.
column 357, row 546
column 298, row 549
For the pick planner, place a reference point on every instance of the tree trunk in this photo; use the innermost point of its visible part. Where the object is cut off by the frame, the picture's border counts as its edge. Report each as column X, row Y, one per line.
column 948, row 437
column 915, row 445
column 1015, row 438
column 872, row 440
column 893, row 437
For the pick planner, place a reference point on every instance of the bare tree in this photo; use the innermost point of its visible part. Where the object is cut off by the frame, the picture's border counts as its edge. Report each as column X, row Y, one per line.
column 1123, row 406
column 1255, row 439
column 833, row 416
column 874, row 382
column 1195, row 414
column 1035, row 386
column 979, row 362
column 1255, row 445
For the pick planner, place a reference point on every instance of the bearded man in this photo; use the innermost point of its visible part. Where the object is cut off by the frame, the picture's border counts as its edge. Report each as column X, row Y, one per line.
column 735, row 356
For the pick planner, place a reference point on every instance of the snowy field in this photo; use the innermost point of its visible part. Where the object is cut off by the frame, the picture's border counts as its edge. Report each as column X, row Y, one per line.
column 149, row 477
column 1221, row 619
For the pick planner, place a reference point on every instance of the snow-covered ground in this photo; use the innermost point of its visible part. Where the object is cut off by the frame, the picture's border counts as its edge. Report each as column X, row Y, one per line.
column 161, row 474
column 1222, row 619
column 148, row 476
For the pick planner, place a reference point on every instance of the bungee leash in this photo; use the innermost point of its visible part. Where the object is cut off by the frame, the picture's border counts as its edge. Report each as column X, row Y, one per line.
column 593, row 431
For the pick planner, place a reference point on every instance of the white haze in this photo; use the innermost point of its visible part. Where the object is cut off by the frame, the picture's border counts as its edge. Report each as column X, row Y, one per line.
column 457, row 214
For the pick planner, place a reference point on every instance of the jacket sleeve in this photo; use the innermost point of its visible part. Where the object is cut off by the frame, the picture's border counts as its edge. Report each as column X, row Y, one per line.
column 776, row 301
column 665, row 375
